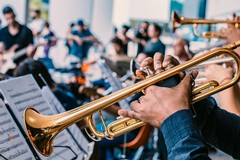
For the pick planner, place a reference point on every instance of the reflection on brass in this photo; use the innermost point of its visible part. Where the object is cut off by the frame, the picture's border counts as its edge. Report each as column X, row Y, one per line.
column 177, row 21
column 43, row 129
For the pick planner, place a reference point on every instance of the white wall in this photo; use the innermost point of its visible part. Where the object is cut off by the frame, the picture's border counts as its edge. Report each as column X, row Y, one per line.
column 19, row 7
column 62, row 13
column 218, row 7
column 121, row 12
column 191, row 8
column 150, row 9
column 101, row 24
column 97, row 13
column 153, row 10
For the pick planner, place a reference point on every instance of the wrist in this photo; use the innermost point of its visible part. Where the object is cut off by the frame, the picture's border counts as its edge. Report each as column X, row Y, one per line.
column 225, row 80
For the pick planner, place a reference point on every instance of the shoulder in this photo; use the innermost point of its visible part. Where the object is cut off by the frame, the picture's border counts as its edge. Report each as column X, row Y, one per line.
column 26, row 29
column 74, row 32
column 4, row 29
column 161, row 43
column 87, row 32
column 148, row 42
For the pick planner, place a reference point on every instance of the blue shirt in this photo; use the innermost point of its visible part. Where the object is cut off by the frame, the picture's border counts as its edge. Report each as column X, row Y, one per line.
column 185, row 136
column 80, row 50
column 152, row 47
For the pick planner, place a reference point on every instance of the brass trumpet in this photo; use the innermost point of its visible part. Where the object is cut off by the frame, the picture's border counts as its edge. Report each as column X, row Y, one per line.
column 179, row 20
column 42, row 129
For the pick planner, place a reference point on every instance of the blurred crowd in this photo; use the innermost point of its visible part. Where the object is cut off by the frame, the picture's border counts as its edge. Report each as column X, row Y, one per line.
column 124, row 54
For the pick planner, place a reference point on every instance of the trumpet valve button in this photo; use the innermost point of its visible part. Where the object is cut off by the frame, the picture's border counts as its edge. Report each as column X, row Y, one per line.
column 147, row 70
column 159, row 71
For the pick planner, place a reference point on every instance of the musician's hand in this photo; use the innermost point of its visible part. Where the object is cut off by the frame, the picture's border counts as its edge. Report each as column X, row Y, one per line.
column 160, row 102
column 13, row 48
column 217, row 73
column 232, row 34
column 30, row 50
column 156, row 63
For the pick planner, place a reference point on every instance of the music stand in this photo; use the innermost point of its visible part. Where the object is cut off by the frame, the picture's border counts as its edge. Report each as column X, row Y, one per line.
column 119, row 67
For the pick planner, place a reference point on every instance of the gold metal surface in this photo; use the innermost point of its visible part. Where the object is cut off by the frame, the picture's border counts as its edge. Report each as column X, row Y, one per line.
column 43, row 129
column 179, row 20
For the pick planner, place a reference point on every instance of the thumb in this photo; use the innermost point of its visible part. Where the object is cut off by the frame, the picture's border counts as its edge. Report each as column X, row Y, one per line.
column 187, row 82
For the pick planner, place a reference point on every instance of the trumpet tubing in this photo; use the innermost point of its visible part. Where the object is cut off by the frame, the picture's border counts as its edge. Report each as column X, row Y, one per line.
column 43, row 129
column 179, row 20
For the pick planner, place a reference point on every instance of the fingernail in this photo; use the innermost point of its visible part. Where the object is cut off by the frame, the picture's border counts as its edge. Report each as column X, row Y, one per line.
column 145, row 62
column 165, row 63
column 120, row 111
column 157, row 63
column 193, row 75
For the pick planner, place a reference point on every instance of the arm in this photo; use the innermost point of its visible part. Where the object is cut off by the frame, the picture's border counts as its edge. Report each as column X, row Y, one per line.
column 89, row 38
column 113, row 109
column 161, row 109
column 219, row 127
column 232, row 34
column 179, row 132
column 75, row 38
column 229, row 98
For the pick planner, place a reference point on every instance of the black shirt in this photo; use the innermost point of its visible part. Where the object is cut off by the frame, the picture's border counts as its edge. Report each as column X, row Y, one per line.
column 23, row 38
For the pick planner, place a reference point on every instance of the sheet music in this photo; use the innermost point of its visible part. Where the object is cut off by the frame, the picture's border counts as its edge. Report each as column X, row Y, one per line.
column 57, row 106
column 23, row 92
column 12, row 143
column 114, row 82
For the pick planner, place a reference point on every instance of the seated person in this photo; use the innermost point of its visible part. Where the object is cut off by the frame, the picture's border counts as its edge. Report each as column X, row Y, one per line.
column 81, row 38
column 181, row 50
column 123, row 36
column 229, row 98
column 15, row 37
column 118, row 54
column 185, row 134
column 232, row 33
column 142, row 36
column 118, row 62
column 30, row 66
column 154, row 44
column 49, row 37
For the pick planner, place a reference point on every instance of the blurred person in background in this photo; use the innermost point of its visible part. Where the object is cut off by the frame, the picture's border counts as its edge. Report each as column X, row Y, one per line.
column 154, row 44
column 123, row 36
column 36, row 68
column 37, row 22
column 119, row 54
column 229, row 98
column 115, row 31
column 15, row 36
column 0, row 23
column 142, row 36
column 49, row 37
column 69, row 42
column 182, row 50
column 80, row 37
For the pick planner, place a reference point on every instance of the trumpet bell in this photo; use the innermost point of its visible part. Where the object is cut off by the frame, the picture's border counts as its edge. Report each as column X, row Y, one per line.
column 176, row 21
column 40, row 136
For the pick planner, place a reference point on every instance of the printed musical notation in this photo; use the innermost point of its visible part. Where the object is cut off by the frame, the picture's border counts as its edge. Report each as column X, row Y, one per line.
column 24, row 92
column 12, row 143
column 73, row 129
